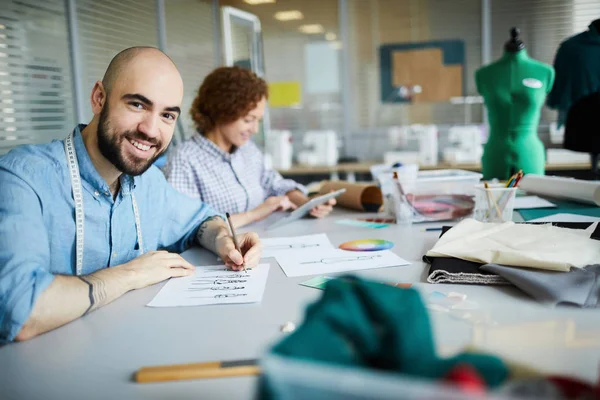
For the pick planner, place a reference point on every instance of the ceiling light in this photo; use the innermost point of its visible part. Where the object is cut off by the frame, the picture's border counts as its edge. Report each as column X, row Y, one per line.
column 330, row 36
column 313, row 28
column 255, row 2
column 288, row 15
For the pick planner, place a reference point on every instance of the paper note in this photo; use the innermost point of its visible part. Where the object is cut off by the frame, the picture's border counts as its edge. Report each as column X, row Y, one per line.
column 329, row 261
column 285, row 94
column 527, row 202
column 562, row 217
column 318, row 282
column 274, row 247
column 214, row 285
column 361, row 224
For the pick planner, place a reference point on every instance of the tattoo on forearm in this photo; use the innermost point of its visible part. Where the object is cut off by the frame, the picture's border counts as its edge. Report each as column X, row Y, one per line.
column 97, row 291
column 206, row 236
column 204, row 226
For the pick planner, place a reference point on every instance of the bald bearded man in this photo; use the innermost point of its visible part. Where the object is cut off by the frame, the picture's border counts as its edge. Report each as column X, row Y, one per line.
column 88, row 218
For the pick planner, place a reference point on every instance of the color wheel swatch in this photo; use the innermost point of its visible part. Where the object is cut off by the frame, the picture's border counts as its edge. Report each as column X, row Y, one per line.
column 367, row 245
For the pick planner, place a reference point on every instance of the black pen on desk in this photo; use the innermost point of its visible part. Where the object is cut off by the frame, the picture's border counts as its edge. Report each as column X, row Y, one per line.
column 235, row 242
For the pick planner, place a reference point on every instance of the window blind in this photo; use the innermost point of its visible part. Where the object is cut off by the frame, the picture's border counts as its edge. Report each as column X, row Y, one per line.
column 107, row 27
column 35, row 74
column 190, row 43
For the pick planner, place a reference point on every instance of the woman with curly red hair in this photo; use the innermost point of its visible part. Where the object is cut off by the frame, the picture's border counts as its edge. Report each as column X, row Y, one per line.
column 220, row 164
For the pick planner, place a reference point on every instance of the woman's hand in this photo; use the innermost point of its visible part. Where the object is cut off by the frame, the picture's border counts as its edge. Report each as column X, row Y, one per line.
column 323, row 210
column 270, row 205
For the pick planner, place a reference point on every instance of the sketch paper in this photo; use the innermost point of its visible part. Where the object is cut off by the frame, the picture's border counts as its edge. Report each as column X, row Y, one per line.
column 300, row 263
column 565, row 217
column 213, row 285
column 274, row 247
column 528, row 202
column 362, row 224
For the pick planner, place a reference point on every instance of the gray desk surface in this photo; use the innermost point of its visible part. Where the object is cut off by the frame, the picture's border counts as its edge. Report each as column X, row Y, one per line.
column 95, row 357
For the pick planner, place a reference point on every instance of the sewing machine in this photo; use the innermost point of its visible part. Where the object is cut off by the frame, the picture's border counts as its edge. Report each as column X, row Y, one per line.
column 465, row 145
column 401, row 137
column 279, row 148
column 322, row 148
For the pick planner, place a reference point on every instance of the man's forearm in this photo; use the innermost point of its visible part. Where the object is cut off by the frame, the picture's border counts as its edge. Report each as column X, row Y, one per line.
column 211, row 229
column 70, row 297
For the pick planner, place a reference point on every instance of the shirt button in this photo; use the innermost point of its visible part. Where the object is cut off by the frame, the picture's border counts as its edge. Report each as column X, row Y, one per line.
column 107, row 193
column 96, row 193
column 114, row 255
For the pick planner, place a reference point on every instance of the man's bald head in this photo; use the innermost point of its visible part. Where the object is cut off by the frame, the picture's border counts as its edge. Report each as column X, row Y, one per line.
column 119, row 64
column 136, row 107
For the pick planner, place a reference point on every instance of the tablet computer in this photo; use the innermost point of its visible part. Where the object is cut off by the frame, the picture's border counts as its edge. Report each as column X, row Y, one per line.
column 305, row 209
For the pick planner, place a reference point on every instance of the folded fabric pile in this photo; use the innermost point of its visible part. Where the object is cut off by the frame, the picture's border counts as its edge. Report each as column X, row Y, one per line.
column 553, row 264
column 520, row 245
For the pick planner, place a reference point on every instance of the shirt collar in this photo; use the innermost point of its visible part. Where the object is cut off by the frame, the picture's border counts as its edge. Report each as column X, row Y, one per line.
column 88, row 171
column 212, row 148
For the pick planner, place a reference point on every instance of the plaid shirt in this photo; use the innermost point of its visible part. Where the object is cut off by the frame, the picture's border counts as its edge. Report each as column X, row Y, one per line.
column 230, row 182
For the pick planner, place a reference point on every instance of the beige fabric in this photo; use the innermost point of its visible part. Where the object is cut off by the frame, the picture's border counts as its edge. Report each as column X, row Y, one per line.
column 519, row 245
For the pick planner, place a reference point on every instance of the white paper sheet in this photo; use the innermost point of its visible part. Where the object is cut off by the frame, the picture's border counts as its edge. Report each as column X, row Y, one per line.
column 528, row 202
column 213, row 285
column 300, row 263
column 274, row 247
column 565, row 217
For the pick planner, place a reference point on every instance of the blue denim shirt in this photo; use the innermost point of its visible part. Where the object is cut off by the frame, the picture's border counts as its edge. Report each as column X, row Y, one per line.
column 37, row 222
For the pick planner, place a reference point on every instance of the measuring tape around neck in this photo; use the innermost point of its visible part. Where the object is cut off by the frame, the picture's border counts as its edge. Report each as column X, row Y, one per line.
column 78, row 199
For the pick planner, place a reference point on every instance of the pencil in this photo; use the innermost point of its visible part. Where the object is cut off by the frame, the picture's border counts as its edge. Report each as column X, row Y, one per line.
column 215, row 369
column 491, row 199
column 513, row 183
column 235, row 242
column 513, row 179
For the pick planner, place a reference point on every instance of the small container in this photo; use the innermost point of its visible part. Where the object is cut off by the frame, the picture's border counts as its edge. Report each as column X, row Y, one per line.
column 384, row 175
column 494, row 204
column 446, row 181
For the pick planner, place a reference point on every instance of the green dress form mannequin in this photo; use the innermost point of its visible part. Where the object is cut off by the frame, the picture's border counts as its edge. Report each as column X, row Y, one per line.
column 514, row 89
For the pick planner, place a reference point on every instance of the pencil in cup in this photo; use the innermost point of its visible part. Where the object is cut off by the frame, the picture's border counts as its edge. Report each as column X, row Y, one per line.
column 512, row 183
column 491, row 200
column 494, row 204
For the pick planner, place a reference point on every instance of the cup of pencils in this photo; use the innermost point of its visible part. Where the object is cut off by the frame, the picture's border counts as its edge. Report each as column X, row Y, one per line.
column 495, row 203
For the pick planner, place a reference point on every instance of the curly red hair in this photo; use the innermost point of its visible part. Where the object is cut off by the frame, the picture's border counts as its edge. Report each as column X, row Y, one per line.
column 226, row 95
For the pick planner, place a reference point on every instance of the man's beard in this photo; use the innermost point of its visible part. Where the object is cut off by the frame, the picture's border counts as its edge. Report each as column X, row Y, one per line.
column 110, row 146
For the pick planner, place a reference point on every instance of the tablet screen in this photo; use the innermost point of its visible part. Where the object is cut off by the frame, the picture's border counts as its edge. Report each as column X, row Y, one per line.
column 305, row 208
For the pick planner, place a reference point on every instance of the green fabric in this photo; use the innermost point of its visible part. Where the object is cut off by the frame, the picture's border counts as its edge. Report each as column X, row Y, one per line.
column 562, row 207
column 359, row 323
column 514, row 102
column 577, row 65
